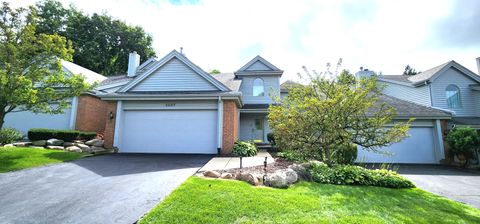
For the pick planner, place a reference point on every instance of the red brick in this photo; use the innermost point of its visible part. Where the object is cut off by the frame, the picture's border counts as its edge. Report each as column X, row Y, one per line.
column 110, row 124
column 230, row 126
column 91, row 114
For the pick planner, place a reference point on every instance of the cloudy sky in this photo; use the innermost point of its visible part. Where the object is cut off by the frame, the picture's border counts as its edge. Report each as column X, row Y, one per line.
column 380, row 35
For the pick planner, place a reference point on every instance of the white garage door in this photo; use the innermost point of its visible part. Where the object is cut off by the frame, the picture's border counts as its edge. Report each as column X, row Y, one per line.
column 418, row 148
column 169, row 131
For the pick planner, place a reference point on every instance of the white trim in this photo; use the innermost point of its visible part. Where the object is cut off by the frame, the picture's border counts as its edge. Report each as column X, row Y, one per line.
column 108, row 86
column 166, row 59
column 220, row 123
column 118, row 127
column 262, row 60
column 73, row 113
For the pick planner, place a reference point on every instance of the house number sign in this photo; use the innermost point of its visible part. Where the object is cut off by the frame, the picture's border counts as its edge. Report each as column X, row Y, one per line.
column 169, row 105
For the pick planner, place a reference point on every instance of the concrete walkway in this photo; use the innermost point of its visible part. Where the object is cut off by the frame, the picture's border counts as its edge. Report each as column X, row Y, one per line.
column 222, row 163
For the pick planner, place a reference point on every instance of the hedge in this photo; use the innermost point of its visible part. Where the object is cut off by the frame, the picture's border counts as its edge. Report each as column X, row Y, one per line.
column 65, row 135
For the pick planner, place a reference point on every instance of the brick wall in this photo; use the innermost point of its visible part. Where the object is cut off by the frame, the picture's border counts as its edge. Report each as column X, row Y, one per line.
column 91, row 114
column 448, row 157
column 230, row 126
column 111, row 106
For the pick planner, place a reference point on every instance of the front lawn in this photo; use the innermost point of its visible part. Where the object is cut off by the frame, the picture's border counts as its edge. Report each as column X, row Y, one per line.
column 20, row 158
column 223, row 201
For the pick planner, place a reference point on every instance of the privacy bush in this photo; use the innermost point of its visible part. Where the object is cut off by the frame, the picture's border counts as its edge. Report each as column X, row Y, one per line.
column 65, row 135
column 292, row 155
column 244, row 149
column 356, row 175
column 9, row 135
column 463, row 141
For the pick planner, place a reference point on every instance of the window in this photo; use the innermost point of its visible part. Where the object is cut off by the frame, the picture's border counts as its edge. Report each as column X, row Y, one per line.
column 258, row 124
column 453, row 96
column 258, row 89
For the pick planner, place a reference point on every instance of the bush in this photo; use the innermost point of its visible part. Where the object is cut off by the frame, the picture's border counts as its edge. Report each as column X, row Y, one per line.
column 65, row 135
column 345, row 154
column 464, row 140
column 356, row 175
column 292, row 156
column 9, row 135
column 271, row 138
column 244, row 149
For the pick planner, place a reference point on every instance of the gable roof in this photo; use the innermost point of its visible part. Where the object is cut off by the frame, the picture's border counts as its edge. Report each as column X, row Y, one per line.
column 259, row 65
column 90, row 76
column 229, row 80
column 406, row 109
column 174, row 54
column 287, row 85
column 429, row 75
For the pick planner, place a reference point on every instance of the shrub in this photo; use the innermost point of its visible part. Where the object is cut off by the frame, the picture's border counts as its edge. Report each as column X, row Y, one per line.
column 345, row 154
column 271, row 138
column 292, row 156
column 464, row 140
column 244, row 149
column 65, row 135
column 356, row 175
column 9, row 135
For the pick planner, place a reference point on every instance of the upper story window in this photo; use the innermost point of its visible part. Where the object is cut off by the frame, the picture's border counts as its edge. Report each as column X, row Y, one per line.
column 453, row 96
column 258, row 88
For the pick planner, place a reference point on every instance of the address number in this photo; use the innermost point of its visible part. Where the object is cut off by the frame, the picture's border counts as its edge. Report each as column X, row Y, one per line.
column 169, row 105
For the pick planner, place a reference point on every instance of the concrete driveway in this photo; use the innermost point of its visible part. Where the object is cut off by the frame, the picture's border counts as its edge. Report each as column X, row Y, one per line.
column 116, row 188
column 459, row 185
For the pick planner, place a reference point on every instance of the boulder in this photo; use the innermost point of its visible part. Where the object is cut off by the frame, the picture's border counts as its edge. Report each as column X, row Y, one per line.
column 73, row 149
column 277, row 180
column 291, row 175
column 39, row 143
column 68, row 144
column 95, row 142
column 96, row 149
column 249, row 178
column 301, row 171
column 8, row 146
column 227, row 176
column 211, row 173
column 54, row 142
column 83, row 147
column 22, row 144
column 36, row 147
column 55, row 147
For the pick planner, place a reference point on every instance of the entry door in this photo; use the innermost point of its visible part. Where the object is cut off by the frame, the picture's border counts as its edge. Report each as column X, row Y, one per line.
column 258, row 128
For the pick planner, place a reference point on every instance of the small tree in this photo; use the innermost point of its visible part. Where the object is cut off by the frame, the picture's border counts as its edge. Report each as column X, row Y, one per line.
column 215, row 71
column 410, row 71
column 31, row 75
column 463, row 142
column 317, row 118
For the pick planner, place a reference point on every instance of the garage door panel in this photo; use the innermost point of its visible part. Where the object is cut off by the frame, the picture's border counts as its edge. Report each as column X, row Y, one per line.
column 175, row 131
column 418, row 148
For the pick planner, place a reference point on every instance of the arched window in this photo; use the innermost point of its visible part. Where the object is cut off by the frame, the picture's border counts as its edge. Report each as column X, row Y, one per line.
column 258, row 89
column 453, row 96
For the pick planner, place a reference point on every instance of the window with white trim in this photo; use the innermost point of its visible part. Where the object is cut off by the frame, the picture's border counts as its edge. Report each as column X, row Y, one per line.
column 453, row 96
column 258, row 88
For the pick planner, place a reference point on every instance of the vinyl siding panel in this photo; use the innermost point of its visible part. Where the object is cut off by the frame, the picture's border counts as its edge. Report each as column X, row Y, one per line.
column 174, row 76
column 476, row 95
column 467, row 96
column 419, row 95
column 271, row 86
column 258, row 66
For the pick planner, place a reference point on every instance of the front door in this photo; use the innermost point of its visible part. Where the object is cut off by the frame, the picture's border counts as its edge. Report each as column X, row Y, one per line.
column 258, row 130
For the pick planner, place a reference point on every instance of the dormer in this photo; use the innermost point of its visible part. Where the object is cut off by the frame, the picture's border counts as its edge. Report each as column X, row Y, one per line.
column 260, row 79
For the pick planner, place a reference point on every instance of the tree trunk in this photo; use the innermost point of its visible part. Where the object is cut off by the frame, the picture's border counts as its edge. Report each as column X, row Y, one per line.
column 2, row 117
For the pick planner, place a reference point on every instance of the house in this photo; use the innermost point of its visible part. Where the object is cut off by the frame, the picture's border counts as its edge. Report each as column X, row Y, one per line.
column 449, row 87
column 73, row 117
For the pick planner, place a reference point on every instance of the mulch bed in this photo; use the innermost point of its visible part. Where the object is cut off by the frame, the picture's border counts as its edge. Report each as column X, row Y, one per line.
column 279, row 164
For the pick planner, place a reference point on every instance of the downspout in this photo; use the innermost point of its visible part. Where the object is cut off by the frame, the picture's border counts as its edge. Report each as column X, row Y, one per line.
column 73, row 113
column 441, row 153
column 220, row 124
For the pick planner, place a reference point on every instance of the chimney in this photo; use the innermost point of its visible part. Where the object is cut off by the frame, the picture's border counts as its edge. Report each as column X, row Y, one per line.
column 133, row 63
column 364, row 72
column 478, row 65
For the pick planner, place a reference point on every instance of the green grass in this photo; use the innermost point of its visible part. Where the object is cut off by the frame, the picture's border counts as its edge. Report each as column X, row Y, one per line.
column 17, row 158
column 222, row 201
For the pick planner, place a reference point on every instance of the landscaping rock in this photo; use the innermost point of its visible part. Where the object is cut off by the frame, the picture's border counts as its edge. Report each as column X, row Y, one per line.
column 96, row 149
column 291, row 175
column 227, row 176
column 54, row 142
column 8, row 146
column 68, row 144
column 277, row 180
column 22, row 144
column 79, row 141
column 36, row 147
column 55, row 147
column 301, row 171
column 212, row 174
column 83, row 147
column 95, row 142
column 249, row 178
column 73, row 149
column 39, row 143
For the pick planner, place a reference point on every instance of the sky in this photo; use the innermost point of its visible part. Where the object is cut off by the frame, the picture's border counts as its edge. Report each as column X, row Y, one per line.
column 381, row 35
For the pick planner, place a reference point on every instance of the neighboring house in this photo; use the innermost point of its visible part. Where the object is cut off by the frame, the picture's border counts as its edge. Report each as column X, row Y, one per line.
column 73, row 117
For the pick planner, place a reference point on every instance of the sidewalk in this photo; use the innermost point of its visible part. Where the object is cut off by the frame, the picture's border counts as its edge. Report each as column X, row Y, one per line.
column 222, row 163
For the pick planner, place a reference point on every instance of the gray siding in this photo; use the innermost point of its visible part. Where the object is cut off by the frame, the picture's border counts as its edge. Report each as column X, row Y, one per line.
column 258, row 66
column 476, row 95
column 419, row 95
column 467, row 97
column 271, row 86
column 174, row 76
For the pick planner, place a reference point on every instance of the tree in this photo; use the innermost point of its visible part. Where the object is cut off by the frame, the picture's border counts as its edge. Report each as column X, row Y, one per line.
column 215, row 71
column 31, row 75
column 410, row 71
column 101, row 43
column 320, row 119
column 463, row 142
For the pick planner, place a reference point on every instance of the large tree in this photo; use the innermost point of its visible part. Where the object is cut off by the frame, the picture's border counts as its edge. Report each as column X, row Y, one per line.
column 101, row 43
column 31, row 75
column 317, row 119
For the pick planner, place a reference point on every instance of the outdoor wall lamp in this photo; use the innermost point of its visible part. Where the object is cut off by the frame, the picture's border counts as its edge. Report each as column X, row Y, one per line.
column 110, row 115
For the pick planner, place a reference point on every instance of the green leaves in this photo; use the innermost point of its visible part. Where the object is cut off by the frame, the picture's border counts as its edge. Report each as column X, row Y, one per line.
column 316, row 118
column 463, row 140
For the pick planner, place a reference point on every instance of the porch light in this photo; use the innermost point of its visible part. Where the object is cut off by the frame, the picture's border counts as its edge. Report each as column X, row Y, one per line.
column 110, row 115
